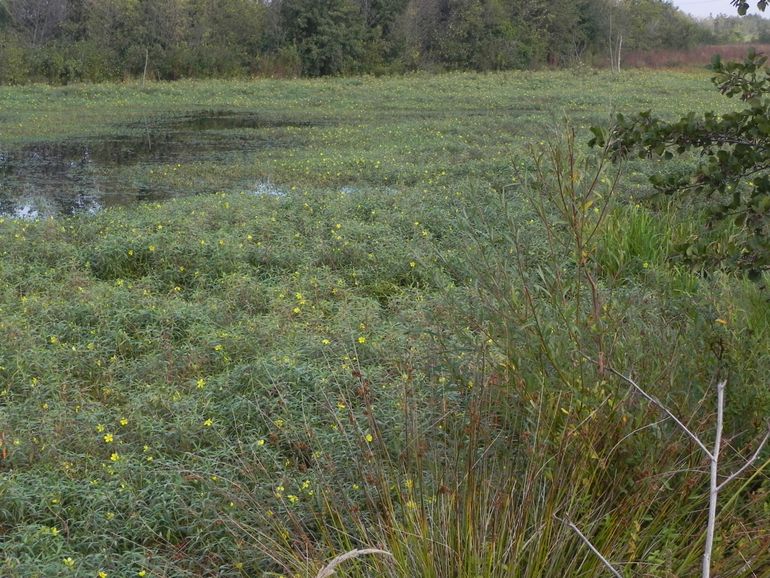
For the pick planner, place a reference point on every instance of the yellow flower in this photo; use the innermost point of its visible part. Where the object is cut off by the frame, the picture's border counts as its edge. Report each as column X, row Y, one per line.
column 218, row 347
column 151, row 248
column 99, row 428
column 208, row 423
column 261, row 443
column 325, row 341
column 115, row 457
column 362, row 340
column 141, row 573
column 108, row 438
column 53, row 339
column 102, row 574
column 369, row 438
column 124, row 421
column 201, row 383
column 68, row 562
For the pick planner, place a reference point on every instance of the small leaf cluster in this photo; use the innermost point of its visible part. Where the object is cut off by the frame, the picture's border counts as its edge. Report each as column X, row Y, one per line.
column 733, row 171
column 744, row 6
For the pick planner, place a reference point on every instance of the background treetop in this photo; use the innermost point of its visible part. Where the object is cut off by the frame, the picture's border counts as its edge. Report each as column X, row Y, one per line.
column 61, row 41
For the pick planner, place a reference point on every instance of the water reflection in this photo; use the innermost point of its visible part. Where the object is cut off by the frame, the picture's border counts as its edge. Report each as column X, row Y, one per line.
column 83, row 176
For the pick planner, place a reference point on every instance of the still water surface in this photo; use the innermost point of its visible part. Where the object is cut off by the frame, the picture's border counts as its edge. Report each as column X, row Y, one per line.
column 85, row 175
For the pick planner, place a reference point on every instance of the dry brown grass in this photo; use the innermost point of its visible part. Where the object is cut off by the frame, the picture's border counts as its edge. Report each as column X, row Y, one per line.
column 696, row 57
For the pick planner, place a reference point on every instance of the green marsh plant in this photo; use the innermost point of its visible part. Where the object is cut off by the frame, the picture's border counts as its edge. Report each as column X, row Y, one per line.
column 514, row 432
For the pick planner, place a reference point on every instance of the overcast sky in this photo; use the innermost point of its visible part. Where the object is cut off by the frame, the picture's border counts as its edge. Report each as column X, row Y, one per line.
column 702, row 8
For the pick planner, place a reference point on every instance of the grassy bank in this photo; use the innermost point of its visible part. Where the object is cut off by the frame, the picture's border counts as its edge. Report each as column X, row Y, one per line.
column 244, row 384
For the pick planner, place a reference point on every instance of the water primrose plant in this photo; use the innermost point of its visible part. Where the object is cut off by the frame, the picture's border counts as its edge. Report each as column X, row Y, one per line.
column 242, row 385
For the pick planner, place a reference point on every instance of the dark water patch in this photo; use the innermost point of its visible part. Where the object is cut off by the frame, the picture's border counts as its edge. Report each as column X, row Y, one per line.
column 84, row 175
column 228, row 120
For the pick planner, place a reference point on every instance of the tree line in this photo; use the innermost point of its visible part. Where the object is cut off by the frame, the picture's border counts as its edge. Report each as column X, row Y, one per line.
column 737, row 29
column 62, row 41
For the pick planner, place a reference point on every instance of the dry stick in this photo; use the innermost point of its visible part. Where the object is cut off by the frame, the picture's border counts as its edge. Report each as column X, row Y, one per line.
column 745, row 466
column 713, row 487
column 663, row 408
column 146, row 60
column 328, row 570
column 587, row 542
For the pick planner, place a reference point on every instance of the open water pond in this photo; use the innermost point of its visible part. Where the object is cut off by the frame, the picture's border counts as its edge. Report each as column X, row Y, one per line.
column 83, row 175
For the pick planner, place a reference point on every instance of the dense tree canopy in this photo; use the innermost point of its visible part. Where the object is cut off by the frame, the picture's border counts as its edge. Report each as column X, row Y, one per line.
column 69, row 40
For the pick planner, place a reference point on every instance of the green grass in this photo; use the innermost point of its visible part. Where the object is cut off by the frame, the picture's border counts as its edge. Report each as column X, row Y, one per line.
column 426, row 132
column 247, row 385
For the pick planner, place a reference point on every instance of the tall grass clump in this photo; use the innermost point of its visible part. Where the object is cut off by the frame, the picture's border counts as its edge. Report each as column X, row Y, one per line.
column 634, row 238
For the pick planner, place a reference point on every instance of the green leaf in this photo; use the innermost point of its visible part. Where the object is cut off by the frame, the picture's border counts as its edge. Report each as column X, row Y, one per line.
column 600, row 137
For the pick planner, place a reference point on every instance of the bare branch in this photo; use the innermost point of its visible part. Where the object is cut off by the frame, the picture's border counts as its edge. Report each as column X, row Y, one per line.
column 745, row 466
column 713, row 487
column 663, row 408
column 587, row 542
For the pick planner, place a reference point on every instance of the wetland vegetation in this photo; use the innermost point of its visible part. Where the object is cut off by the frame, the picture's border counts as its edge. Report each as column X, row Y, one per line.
column 365, row 312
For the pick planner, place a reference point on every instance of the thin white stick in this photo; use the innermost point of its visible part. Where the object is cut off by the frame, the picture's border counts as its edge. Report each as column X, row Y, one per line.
column 587, row 542
column 750, row 461
column 713, row 487
column 146, row 60
column 665, row 410
column 328, row 570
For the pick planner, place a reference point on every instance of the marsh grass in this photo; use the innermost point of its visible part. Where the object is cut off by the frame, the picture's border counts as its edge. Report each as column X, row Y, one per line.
column 248, row 385
column 524, row 441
